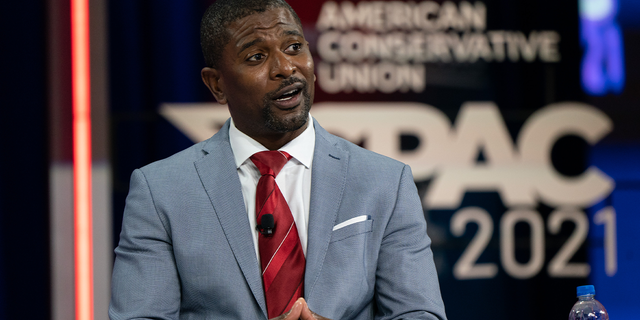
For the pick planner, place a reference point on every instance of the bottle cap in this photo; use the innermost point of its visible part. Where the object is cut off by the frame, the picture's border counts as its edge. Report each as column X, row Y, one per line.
column 586, row 290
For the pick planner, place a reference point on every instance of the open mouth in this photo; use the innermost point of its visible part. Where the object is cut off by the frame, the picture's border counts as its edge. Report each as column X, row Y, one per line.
column 288, row 95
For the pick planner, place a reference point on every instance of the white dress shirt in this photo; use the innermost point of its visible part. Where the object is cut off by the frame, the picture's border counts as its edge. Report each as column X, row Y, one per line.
column 294, row 180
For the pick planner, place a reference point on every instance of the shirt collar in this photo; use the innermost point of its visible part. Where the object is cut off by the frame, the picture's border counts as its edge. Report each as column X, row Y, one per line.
column 301, row 148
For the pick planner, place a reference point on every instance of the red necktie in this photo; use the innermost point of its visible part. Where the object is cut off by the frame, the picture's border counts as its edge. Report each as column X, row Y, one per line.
column 281, row 255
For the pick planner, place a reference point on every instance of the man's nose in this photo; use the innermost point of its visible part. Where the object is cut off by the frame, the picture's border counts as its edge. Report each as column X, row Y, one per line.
column 282, row 66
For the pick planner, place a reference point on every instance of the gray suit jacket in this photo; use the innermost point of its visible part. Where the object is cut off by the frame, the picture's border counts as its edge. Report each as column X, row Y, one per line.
column 186, row 250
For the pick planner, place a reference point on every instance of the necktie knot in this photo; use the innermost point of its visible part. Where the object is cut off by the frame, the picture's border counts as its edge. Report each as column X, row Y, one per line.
column 270, row 162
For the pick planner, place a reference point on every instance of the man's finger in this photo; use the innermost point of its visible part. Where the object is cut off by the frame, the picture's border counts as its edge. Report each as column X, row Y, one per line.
column 294, row 313
column 305, row 313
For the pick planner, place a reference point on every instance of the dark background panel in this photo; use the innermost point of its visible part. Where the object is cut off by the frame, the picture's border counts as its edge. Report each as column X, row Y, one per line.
column 154, row 57
column 24, row 235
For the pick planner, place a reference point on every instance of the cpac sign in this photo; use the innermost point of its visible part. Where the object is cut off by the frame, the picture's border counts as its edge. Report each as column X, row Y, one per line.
column 521, row 172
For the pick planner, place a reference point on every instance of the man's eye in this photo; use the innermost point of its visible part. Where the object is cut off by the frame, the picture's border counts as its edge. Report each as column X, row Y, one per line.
column 256, row 57
column 294, row 47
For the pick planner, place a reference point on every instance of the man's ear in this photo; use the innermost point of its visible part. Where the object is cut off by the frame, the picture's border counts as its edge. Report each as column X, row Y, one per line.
column 213, row 80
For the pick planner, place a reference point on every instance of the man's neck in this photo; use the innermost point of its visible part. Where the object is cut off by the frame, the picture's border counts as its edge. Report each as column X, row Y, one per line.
column 276, row 140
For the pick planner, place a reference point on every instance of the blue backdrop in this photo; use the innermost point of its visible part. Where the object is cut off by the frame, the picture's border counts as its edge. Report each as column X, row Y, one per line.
column 155, row 58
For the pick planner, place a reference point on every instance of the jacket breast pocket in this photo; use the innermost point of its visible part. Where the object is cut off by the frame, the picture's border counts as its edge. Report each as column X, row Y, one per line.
column 349, row 265
column 351, row 227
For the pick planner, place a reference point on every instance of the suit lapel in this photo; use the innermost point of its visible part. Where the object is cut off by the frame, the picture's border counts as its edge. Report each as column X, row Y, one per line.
column 329, row 173
column 219, row 177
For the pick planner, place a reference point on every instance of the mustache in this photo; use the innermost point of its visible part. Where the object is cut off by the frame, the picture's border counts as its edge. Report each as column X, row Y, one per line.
column 287, row 82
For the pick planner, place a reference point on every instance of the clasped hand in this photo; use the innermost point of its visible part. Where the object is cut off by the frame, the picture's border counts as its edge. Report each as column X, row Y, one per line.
column 301, row 311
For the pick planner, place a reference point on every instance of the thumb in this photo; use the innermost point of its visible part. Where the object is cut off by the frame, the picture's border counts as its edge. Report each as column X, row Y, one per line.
column 296, row 310
column 305, row 312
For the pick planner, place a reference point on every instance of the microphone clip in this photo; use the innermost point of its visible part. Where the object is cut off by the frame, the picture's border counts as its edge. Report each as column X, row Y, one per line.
column 266, row 225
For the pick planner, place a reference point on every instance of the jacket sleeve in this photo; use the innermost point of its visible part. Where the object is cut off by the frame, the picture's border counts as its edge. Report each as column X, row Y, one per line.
column 145, row 282
column 406, row 278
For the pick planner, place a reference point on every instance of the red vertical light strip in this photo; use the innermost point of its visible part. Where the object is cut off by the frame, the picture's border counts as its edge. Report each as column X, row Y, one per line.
column 81, row 86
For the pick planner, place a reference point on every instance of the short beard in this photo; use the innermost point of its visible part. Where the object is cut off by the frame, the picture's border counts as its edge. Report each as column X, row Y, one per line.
column 292, row 124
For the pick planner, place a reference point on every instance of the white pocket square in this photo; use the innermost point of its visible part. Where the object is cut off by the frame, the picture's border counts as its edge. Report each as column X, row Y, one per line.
column 351, row 221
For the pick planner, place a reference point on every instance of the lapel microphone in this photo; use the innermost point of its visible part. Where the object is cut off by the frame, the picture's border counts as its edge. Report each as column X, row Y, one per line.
column 266, row 225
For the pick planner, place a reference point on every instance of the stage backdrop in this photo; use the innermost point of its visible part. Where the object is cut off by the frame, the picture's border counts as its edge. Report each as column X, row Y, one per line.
column 518, row 118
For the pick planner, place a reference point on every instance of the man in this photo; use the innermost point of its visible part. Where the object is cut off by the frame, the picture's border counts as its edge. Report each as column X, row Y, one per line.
column 193, row 239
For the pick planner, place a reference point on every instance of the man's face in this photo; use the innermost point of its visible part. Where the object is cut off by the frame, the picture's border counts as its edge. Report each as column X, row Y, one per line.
column 266, row 74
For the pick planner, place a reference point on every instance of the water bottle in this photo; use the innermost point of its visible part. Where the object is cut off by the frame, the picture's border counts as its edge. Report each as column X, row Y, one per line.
column 588, row 308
